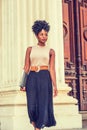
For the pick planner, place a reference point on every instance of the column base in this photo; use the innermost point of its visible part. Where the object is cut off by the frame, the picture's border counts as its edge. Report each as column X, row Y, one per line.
column 66, row 109
column 13, row 111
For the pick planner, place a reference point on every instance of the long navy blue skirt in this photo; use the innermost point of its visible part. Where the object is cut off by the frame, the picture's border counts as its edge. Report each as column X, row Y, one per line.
column 40, row 99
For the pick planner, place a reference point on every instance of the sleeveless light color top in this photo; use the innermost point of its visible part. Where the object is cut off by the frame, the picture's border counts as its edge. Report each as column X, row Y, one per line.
column 39, row 55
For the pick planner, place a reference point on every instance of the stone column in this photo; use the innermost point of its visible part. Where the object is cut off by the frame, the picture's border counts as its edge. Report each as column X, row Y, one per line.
column 1, row 42
column 65, row 106
column 9, row 45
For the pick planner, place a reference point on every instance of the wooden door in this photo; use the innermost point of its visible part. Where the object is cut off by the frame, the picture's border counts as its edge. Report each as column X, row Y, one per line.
column 83, row 40
column 69, row 46
column 75, row 46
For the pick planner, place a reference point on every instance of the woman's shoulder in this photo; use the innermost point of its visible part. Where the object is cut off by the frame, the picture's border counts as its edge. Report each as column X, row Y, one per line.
column 28, row 50
column 52, row 51
column 29, row 47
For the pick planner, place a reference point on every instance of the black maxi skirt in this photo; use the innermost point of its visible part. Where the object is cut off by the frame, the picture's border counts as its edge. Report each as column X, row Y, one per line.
column 40, row 99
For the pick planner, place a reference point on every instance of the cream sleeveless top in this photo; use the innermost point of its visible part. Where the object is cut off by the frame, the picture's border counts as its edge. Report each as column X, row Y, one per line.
column 39, row 55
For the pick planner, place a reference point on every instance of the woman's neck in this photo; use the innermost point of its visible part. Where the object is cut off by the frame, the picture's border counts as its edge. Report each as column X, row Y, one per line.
column 41, row 44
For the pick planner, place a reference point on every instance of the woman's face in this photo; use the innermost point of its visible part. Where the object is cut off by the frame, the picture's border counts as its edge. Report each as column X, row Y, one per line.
column 42, row 36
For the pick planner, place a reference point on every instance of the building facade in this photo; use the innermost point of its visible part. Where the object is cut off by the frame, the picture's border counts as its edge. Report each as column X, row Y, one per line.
column 17, row 17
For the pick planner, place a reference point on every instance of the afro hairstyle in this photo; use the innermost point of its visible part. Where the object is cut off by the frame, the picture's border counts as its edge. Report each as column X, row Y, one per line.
column 39, row 25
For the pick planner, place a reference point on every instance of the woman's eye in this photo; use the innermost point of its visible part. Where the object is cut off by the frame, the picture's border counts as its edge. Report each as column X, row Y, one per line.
column 44, row 34
column 41, row 34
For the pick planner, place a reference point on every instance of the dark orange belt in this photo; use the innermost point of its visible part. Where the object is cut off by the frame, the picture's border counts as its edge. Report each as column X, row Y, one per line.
column 38, row 68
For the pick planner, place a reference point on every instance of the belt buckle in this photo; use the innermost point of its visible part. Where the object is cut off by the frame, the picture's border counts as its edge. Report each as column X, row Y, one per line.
column 37, row 69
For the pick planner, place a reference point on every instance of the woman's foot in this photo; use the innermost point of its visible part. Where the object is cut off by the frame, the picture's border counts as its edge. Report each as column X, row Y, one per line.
column 33, row 124
column 37, row 129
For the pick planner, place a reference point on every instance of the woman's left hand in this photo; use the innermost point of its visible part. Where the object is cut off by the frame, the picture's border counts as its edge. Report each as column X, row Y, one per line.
column 23, row 89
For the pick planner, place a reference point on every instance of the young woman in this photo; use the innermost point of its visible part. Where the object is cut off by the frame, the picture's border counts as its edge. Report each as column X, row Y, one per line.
column 40, row 78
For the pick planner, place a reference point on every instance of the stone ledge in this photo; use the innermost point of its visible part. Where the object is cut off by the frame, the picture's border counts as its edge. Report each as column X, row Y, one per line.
column 12, row 97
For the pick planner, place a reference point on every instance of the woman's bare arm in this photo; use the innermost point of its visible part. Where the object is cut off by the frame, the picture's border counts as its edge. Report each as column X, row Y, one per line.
column 52, row 71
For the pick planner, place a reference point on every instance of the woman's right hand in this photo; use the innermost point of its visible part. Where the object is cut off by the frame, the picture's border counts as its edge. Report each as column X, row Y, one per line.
column 23, row 89
column 55, row 92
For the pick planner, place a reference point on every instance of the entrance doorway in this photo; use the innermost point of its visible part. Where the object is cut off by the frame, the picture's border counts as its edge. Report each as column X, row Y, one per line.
column 75, row 49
